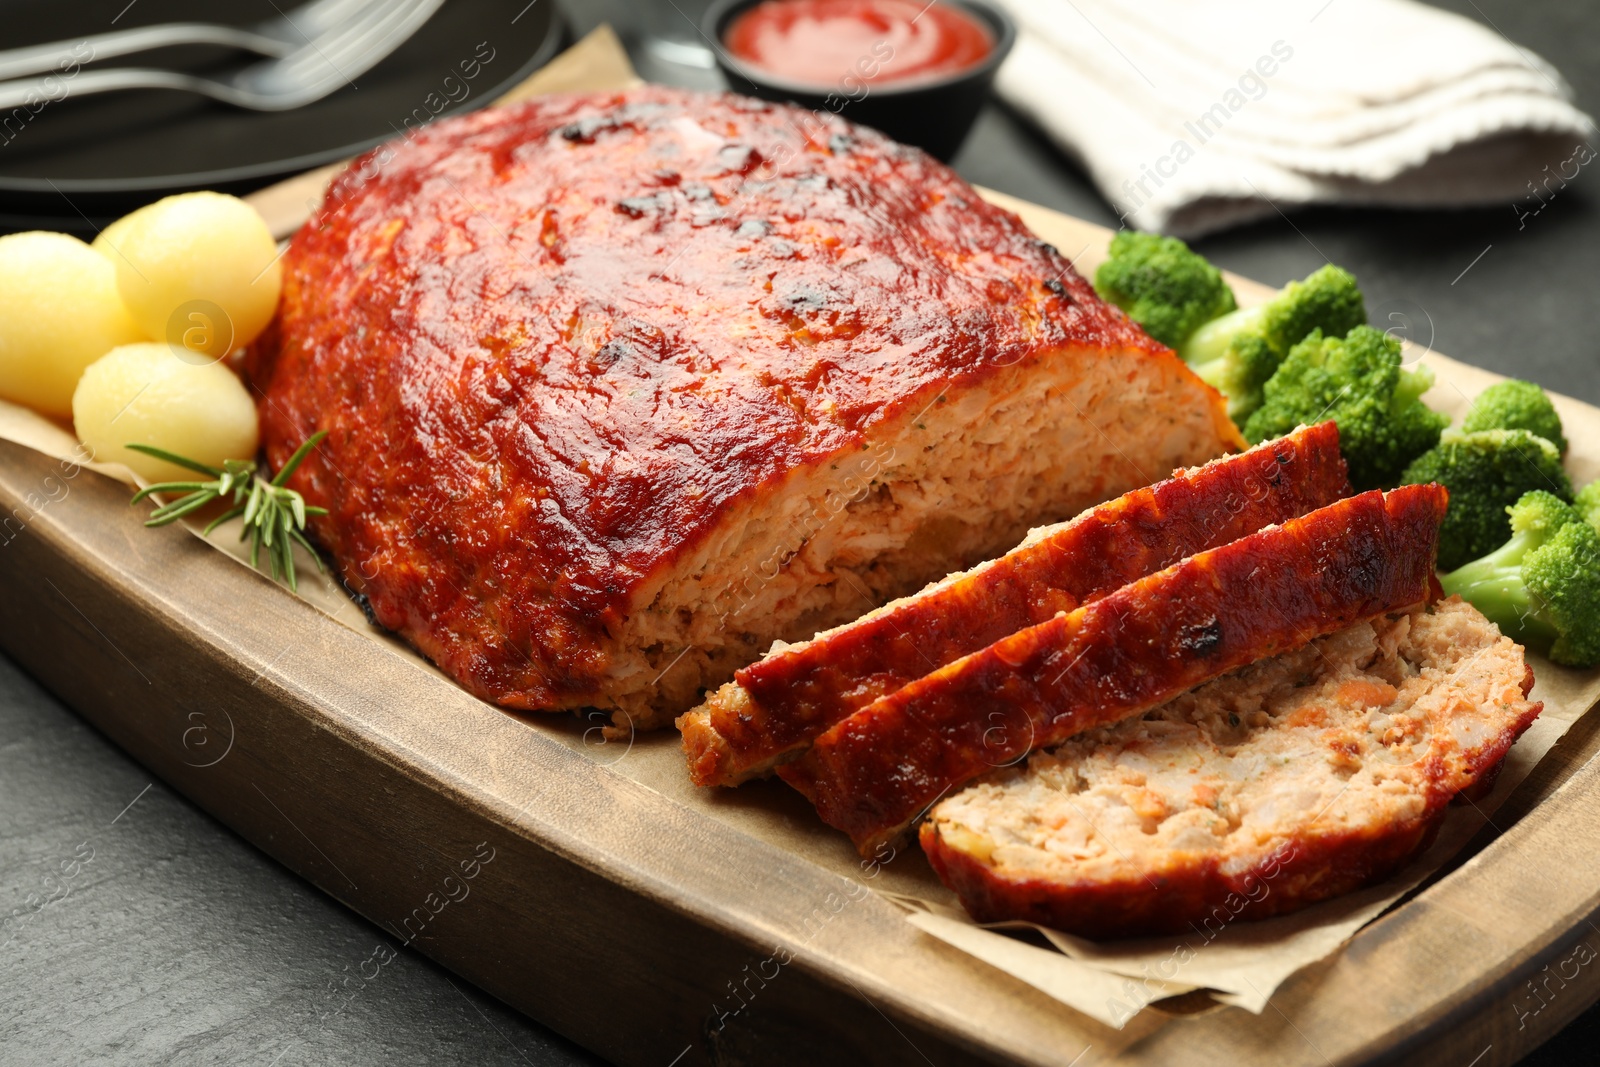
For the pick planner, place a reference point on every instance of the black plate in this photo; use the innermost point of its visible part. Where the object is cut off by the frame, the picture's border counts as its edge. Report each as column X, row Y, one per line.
column 96, row 157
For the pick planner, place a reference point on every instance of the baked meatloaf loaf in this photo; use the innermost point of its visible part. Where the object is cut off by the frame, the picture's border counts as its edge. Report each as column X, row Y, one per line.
column 1290, row 781
column 620, row 388
column 774, row 708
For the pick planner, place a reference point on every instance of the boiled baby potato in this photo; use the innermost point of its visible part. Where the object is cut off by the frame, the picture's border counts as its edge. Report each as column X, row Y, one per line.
column 59, row 312
column 148, row 394
column 198, row 270
column 108, row 241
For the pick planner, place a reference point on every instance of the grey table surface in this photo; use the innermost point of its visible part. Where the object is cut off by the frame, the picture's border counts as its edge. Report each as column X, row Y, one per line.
column 171, row 940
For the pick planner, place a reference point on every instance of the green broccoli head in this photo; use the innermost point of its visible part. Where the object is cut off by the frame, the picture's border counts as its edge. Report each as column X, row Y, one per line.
column 1162, row 285
column 1486, row 472
column 1542, row 586
column 1238, row 352
column 1328, row 300
column 1514, row 405
column 1588, row 503
column 1357, row 382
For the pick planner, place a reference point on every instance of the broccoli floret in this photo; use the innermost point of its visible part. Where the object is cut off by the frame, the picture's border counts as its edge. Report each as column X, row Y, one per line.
column 1588, row 503
column 1358, row 383
column 1163, row 286
column 1542, row 587
column 1514, row 405
column 1486, row 472
column 1239, row 352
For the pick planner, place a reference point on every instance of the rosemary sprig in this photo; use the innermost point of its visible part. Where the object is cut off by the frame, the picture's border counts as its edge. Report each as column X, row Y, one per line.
column 274, row 516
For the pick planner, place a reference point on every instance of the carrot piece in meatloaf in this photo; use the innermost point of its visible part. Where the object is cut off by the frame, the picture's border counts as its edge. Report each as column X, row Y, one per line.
column 877, row 771
column 1295, row 779
column 773, row 709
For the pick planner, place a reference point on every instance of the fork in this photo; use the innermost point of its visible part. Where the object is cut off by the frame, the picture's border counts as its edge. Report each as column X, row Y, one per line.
column 274, row 37
column 310, row 72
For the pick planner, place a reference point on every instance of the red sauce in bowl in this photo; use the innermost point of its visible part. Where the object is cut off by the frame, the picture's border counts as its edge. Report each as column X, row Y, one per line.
column 832, row 42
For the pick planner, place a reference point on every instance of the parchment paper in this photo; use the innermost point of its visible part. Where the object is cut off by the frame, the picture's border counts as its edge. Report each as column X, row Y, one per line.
column 1241, row 963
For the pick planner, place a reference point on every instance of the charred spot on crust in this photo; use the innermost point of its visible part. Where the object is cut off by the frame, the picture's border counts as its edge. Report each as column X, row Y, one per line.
column 585, row 130
column 637, row 207
column 1201, row 639
column 364, row 602
column 632, row 118
column 740, row 158
column 612, row 352
column 1055, row 286
column 801, row 298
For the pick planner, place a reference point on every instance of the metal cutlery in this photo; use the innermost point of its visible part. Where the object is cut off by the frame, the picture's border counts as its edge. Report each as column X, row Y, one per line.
column 318, row 66
column 274, row 37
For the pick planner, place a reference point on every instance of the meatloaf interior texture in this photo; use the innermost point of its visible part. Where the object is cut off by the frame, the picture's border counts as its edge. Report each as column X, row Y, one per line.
column 775, row 707
column 621, row 388
column 1297, row 778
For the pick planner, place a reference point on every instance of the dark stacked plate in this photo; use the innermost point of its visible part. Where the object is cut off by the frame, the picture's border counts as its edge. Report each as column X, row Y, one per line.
column 77, row 162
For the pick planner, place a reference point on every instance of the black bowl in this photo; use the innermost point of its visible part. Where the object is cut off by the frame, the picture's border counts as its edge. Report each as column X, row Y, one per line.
column 934, row 113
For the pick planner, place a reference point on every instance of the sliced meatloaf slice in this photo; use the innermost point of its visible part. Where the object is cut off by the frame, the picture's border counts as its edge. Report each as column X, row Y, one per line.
column 773, row 708
column 877, row 771
column 620, row 388
column 1295, row 779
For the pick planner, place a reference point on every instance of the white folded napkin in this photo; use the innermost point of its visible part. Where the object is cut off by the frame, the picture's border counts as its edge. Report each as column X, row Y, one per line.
column 1193, row 115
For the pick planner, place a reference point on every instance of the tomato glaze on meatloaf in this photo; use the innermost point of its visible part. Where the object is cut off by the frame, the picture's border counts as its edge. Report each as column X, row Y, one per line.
column 620, row 388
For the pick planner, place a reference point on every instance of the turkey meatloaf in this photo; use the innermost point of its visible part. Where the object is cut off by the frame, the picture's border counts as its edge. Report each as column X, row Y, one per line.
column 620, row 388
column 876, row 772
column 1295, row 779
column 773, row 709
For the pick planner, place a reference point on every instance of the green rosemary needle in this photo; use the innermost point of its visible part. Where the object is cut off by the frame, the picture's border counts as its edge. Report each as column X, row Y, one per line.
column 274, row 516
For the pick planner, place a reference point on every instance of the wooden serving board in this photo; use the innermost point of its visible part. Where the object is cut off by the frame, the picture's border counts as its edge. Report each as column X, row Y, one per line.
column 623, row 917
column 643, row 922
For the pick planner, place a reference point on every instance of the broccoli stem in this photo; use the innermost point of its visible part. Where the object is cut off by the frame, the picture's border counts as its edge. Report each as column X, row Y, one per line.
column 1495, row 586
column 1214, row 373
column 1503, row 562
column 1506, row 601
column 1409, row 389
column 1209, row 344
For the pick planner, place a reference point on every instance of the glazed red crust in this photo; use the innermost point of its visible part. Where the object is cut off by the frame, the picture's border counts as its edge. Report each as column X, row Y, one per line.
column 554, row 343
column 795, row 695
column 1199, row 894
column 874, row 773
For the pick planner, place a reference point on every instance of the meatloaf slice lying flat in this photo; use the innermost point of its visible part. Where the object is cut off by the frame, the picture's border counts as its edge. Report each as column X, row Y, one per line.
column 1290, row 781
column 620, row 388
column 877, row 771
column 774, row 708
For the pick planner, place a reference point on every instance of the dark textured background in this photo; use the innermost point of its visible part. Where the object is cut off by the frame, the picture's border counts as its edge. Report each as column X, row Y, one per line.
column 180, row 943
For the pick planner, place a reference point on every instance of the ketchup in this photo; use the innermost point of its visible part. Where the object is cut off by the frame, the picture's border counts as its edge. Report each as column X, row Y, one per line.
column 825, row 42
